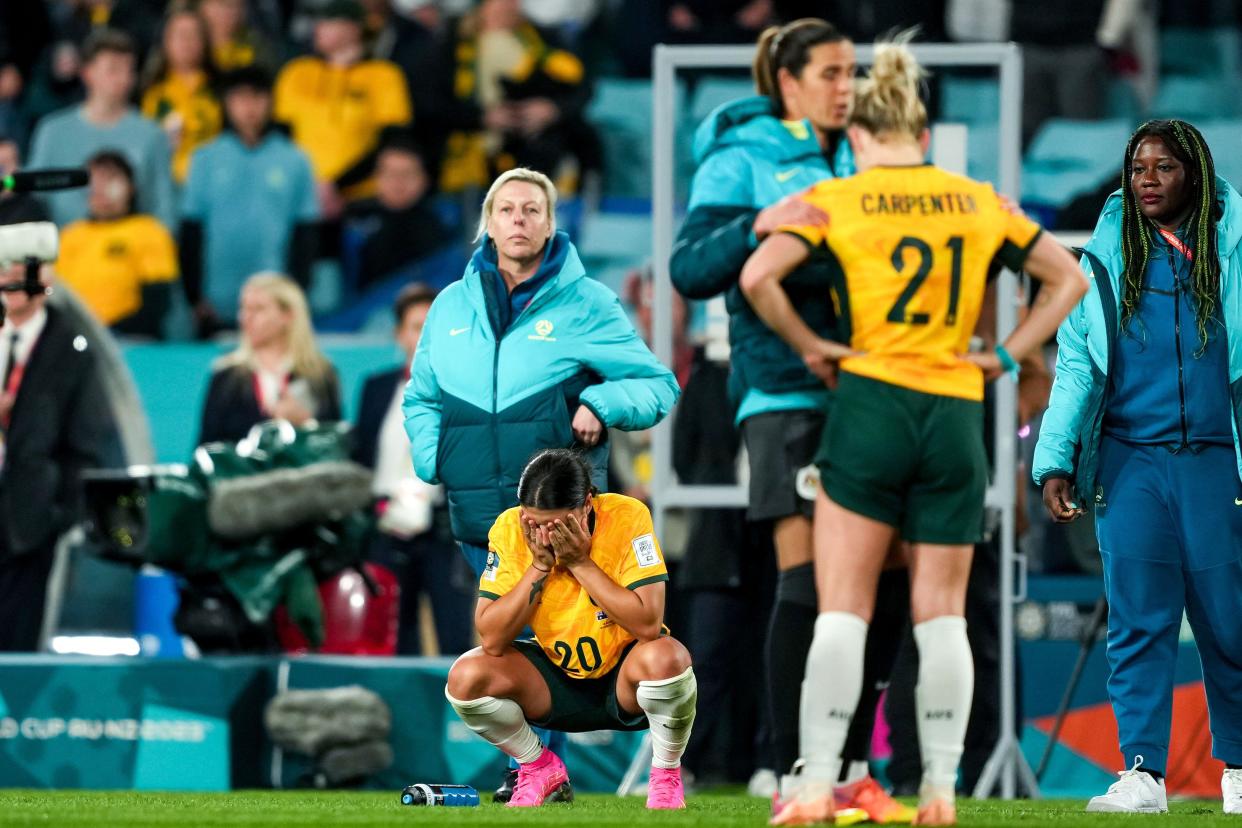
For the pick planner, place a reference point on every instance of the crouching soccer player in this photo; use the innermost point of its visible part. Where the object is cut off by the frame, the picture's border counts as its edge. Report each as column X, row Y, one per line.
column 585, row 572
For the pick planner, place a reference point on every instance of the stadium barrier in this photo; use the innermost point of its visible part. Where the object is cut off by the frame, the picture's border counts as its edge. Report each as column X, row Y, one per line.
column 197, row 725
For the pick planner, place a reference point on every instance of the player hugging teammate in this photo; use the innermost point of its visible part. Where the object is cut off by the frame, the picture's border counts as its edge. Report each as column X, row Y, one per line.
column 902, row 456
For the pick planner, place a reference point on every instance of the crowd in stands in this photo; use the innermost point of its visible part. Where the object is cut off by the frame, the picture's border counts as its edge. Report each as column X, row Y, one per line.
column 280, row 135
column 267, row 136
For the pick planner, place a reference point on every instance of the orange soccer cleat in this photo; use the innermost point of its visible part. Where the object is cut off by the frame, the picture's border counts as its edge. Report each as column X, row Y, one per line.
column 867, row 795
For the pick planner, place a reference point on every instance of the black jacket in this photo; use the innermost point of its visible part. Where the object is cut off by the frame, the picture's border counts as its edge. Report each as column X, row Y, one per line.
column 232, row 409
column 377, row 394
column 60, row 425
column 385, row 241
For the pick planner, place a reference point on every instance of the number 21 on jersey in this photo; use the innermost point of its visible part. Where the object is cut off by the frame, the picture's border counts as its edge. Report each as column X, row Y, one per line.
column 924, row 259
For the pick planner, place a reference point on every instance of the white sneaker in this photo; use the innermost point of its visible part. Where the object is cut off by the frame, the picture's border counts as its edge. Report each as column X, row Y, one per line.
column 763, row 783
column 1231, row 790
column 1134, row 793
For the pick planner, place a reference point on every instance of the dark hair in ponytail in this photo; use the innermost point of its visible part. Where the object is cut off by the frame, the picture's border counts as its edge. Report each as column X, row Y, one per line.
column 788, row 47
column 555, row 479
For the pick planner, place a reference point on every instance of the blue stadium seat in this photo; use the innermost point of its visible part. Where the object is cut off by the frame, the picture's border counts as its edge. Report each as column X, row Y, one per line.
column 1196, row 97
column 1198, row 51
column 1068, row 158
column 983, row 152
column 969, row 100
column 612, row 243
column 616, row 235
column 1122, row 102
column 621, row 112
column 1224, row 138
column 711, row 92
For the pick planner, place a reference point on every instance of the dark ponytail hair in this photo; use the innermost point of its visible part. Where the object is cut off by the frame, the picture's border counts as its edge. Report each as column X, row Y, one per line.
column 788, row 47
column 555, row 479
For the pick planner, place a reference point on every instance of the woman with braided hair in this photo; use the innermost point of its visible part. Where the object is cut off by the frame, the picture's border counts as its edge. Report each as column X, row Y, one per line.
column 1143, row 425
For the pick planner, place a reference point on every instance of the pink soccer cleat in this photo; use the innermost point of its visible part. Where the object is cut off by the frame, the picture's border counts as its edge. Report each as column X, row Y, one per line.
column 537, row 780
column 664, row 790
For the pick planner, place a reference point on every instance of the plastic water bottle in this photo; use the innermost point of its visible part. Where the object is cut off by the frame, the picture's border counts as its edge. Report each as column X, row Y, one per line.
column 452, row 795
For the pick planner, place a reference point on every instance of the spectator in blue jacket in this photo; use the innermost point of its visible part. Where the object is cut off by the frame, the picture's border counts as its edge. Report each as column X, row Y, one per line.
column 754, row 155
column 249, row 205
column 524, row 353
column 1143, row 425
column 106, row 121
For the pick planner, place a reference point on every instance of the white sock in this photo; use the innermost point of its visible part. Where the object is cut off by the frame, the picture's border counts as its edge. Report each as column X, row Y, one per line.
column 670, row 706
column 501, row 722
column 830, row 692
column 942, row 698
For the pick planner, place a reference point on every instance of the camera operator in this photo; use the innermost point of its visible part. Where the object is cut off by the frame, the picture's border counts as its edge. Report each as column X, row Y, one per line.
column 53, row 423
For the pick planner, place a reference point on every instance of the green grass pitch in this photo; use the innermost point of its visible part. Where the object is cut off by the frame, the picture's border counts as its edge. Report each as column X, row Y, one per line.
column 272, row 808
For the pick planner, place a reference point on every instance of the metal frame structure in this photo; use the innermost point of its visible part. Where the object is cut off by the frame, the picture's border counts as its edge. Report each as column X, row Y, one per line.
column 1007, row 765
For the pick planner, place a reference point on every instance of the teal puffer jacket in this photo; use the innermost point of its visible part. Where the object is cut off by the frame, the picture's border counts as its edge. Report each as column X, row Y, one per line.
column 483, row 397
column 748, row 159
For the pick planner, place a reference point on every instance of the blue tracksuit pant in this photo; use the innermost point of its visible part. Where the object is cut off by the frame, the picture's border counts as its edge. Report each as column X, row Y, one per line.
column 1170, row 532
column 476, row 556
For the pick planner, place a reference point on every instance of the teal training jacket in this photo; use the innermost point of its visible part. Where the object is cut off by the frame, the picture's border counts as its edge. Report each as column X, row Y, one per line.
column 749, row 159
column 483, row 398
column 1069, row 438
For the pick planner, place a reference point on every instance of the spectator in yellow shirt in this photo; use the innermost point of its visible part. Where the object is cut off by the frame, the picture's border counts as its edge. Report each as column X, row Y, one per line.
column 119, row 262
column 178, row 84
column 234, row 43
column 519, row 103
column 336, row 103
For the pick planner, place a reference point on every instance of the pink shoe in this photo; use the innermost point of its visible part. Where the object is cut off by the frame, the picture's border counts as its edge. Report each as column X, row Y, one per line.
column 538, row 779
column 664, row 790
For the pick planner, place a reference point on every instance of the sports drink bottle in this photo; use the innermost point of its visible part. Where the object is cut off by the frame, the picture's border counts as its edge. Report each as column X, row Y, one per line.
column 453, row 795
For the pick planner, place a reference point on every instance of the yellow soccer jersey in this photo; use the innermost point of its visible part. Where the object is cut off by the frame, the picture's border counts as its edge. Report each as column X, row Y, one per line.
column 915, row 245
column 572, row 630
column 107, row 263
column 336, row 113
column 194, row 105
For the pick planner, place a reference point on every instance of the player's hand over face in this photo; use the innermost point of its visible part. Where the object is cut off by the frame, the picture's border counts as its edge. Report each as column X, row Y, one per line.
column 587, row 428
column 539, row 544
column 790, row 210
column 571, row 541
column 1059, row 500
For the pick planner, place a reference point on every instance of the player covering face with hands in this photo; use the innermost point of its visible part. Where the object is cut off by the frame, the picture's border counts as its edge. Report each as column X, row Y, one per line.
column 585, row 573
column 902, row 456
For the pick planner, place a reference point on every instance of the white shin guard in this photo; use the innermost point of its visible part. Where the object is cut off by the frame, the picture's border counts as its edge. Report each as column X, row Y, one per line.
column 942, row 698
column 830, row 692
column 501, row 722
column 670, row 707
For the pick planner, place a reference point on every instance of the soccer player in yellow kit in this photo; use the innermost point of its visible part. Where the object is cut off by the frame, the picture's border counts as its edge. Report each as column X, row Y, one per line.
column 902, row 455
column 585, row 572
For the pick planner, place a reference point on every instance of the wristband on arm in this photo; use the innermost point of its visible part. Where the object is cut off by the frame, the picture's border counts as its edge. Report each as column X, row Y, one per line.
column 1008, row 364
